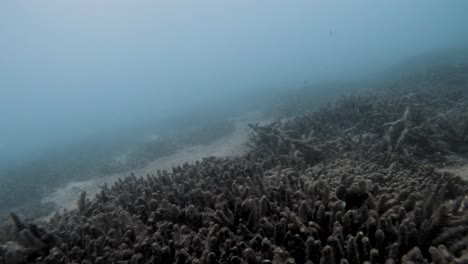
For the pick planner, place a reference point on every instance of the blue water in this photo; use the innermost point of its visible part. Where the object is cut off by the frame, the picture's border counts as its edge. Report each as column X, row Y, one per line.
column 75, row 70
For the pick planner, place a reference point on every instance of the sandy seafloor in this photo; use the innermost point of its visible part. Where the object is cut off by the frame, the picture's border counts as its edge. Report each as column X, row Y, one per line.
column 227, row 146
column 461, row 170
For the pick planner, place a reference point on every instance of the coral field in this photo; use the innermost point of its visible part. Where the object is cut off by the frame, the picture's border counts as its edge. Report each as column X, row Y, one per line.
column 354, row 182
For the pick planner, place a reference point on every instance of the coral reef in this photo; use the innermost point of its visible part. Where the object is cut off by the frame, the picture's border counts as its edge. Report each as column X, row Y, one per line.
column 429, row 124
column 102, row 156
column 253, row 210
column 350, row 183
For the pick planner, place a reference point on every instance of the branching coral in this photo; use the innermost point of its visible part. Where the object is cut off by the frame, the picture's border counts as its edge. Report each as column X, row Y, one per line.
column 429, row 124
column 314, row 189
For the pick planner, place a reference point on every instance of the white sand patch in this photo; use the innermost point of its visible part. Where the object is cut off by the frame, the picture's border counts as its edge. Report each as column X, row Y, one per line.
column 460, row 170
column 230, row 145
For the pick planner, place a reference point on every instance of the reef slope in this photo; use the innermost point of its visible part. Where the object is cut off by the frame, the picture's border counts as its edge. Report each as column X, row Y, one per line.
column 354, row 182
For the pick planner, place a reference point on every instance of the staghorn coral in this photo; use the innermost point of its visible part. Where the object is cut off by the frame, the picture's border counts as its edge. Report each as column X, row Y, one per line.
column 160, row 218
column 313, row 190
column 429, row 124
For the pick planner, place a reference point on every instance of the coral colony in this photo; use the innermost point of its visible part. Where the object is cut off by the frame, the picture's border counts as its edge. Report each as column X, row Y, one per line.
column 354, row 182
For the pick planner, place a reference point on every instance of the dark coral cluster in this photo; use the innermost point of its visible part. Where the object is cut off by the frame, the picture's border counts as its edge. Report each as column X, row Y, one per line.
column 427, row 124
column 252, row 210
column 343, row 185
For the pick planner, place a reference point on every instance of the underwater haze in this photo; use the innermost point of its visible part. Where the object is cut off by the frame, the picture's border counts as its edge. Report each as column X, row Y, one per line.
column 233, row 131
column 70, row 70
